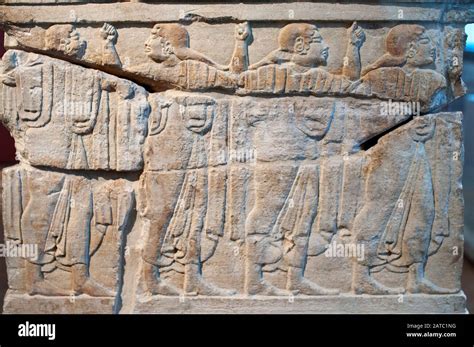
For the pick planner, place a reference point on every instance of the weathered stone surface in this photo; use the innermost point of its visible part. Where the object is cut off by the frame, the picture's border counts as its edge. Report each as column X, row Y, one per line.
column 75, row 227
column 341, row 304
column 68, row 117
column 231, row 159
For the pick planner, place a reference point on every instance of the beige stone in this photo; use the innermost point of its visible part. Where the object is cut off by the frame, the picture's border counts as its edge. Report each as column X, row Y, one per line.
column 233, row 158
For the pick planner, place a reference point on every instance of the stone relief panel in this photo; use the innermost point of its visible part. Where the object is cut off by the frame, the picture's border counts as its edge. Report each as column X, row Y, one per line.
column 294, row 169
column 74, row 227
column 415, row 61
column 88, row 115
column 233, row 165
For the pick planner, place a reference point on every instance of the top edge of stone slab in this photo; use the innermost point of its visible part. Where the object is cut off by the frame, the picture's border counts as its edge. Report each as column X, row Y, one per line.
column 14, row 2
column 26, row 12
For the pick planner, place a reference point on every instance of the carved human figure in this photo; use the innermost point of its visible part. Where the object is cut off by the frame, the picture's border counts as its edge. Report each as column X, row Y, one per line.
column 67, row 219
column 81, row 108
column 65, row 38
column 88, row 114
column 178, row 64
column 27, row 92
column 296, row 65
column 454, row 42
column 100, row 118
column 403, row 222
column 184, row 171
column 286, row 180
column 403, row 72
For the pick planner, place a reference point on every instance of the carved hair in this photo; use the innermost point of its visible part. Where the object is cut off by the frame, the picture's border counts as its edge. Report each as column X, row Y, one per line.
column 397, row 44
column 290, row 34
column 175, row 34
column 56, row 34
column 176, row 41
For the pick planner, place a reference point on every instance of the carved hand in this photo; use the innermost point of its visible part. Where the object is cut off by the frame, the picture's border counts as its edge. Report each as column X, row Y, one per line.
column 109, row 33
column 454, row 68
column 242, row 31
column 356, row 35
column 440, row 226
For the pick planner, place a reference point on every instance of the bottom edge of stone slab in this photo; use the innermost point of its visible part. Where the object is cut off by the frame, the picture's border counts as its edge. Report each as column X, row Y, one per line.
column 337, row 304
column 340, row 304
column 38, row 304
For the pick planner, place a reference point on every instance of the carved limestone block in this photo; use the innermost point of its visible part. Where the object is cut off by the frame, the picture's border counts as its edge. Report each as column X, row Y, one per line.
column 95, row 121
column 176, row 158
column 68, row 232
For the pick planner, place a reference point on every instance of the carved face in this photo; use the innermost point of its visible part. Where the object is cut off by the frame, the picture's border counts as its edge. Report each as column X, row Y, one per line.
column 422, row 128
column 198, row 117
column 82, row 118
column 422, row 52
column 81, row 105
column 31, row 93
column 312, row 51
column 312, row 121
column 155, row 47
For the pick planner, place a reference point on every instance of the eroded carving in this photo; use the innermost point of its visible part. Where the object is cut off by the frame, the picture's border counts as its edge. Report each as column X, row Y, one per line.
column 89, row 115
column 407, row 223
column 66, row 217
column 252, row 169
column 185, row 158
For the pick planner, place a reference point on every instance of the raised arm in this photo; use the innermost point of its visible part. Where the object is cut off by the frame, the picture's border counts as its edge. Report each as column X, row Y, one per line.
column 351, row 64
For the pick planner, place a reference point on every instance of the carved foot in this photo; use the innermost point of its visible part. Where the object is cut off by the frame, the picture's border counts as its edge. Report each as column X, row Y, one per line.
column 373, row 287
column 46, row 288
column 264, row 288
column 159, row 287
column 306, row 287
column 425, row 286
column 92, row 288
column 201, row 287
column 154, row 284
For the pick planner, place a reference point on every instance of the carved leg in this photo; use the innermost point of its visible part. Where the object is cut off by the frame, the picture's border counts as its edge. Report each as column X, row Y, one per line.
column 37, row 285
column 194, row 284
column 364, row 283
column 272, row 186
column 154, row 284
column 83, row 284
column 417, row 283
column 296, row 282
column 254, row 282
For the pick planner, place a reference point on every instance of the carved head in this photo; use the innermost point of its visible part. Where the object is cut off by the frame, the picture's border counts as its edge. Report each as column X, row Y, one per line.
column 82, row 100
column 82, row 119
column 313, row 118
column 66, row 39
column 306, row 44
column 422, row 128
column 198, row 114
column 31, row 93
column 405, row 44
column 455, row 38
column 417, row 46
column 165, row 40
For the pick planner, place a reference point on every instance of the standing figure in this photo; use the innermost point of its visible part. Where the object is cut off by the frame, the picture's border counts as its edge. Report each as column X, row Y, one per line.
column 404, row 213
column 183, row 191
column 66, row 219
column 286, row 174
